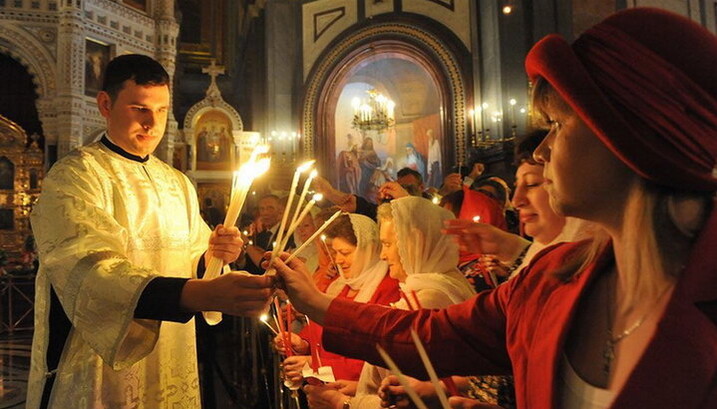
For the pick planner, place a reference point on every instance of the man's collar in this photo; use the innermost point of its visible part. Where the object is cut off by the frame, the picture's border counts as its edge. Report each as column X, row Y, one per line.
column 116, row 149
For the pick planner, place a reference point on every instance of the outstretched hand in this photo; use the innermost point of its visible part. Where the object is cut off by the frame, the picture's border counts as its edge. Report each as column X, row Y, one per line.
column 234, row 293
column 299, row 286
column 481, row 238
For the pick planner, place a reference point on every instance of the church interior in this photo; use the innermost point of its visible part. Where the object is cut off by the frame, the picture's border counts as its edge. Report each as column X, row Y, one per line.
column 363, row 87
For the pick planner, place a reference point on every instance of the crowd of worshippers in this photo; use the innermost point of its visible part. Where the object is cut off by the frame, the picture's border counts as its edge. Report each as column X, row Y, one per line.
column 392, row 250
column 622, row 320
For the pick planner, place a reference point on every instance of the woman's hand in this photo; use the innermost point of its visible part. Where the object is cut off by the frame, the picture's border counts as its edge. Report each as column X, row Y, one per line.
column 325, row 396
column 298, row 345
column 345, row 387
column 481, row 238
column 300, row 287
column 393, row 395
column 466, row 403
column 293, row 366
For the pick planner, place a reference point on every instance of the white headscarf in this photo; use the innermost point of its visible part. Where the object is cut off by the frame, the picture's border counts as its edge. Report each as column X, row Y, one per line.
column 368, row 270
column 428, row 256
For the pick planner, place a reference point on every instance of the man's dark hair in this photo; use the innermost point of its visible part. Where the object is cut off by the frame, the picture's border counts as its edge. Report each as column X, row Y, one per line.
column 272, row 196
column 526, row 146
column 408, row 171
column 141, row 69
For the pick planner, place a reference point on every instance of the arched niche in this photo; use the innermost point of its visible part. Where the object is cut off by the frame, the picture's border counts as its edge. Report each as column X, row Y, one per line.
column 343, row 63
column 212, row 133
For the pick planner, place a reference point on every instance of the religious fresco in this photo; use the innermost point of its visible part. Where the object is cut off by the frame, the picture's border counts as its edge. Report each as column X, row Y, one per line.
column 367, row 158
column 213, row 143
column 97, row 56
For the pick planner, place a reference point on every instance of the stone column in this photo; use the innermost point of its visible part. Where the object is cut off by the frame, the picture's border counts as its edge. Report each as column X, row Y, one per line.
column 167, row 31
column 70, row 76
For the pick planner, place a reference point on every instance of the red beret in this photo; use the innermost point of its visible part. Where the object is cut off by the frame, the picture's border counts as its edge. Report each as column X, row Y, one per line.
column 645, row 81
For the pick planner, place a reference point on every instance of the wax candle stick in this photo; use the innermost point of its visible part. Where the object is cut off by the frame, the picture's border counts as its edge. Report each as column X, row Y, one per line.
column 264, row 319
column 289, row 316
column 242, row 182
column 284, row 334
column 313, row 237
column 292, row 228
column 415, row 298
column 304, row 191
column 331, row 258
column 431, row 371
column 401, row 378
column 289, row 202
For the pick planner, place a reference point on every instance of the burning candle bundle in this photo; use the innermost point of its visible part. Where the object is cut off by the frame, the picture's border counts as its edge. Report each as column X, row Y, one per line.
column 243, row 179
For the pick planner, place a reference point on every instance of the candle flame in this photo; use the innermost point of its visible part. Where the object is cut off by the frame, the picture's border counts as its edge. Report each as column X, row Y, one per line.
column 323, row 237
column 305, row 166
column 476, row 219
column 313, row 174
column 318, row 197
column 263, row 318
column 435, row 200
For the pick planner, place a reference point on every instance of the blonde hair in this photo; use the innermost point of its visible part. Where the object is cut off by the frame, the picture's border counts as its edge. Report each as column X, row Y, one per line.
column 656, row 238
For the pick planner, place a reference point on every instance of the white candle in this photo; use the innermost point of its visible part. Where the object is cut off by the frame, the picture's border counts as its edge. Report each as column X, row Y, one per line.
column 431, row 371
column 241, row 184
column 304, row 191
column 316, row 198
column 292, row 193
column 313, row 237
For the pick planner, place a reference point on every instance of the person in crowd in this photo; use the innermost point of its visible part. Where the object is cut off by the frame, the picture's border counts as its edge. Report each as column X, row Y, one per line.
column 623, row 320
column 363, row 278
column 408, row 182
column 121, row 245
column 327, row 270
column 424, row 261
column 265, row 230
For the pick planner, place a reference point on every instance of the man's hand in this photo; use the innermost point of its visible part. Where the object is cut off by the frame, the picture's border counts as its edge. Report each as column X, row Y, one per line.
column 391, row 190
column 225, row 244
column 233, row 293
column 478, row 169
column 451, row 183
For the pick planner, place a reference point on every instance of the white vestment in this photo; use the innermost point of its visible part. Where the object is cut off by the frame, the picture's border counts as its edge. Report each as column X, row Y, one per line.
column 105, row 226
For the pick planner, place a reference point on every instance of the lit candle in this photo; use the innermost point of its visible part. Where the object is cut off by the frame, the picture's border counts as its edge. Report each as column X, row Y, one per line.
column 264, row 319
column 242, row 182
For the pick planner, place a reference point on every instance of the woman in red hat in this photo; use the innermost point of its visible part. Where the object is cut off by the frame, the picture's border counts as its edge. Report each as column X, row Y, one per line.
column 626, row 320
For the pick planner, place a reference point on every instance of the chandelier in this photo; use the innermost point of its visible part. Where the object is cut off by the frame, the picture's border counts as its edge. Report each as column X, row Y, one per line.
column 375, row 113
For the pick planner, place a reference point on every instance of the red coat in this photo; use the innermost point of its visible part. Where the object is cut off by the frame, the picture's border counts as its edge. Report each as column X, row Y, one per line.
column 522, row 325
column 346, row 368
